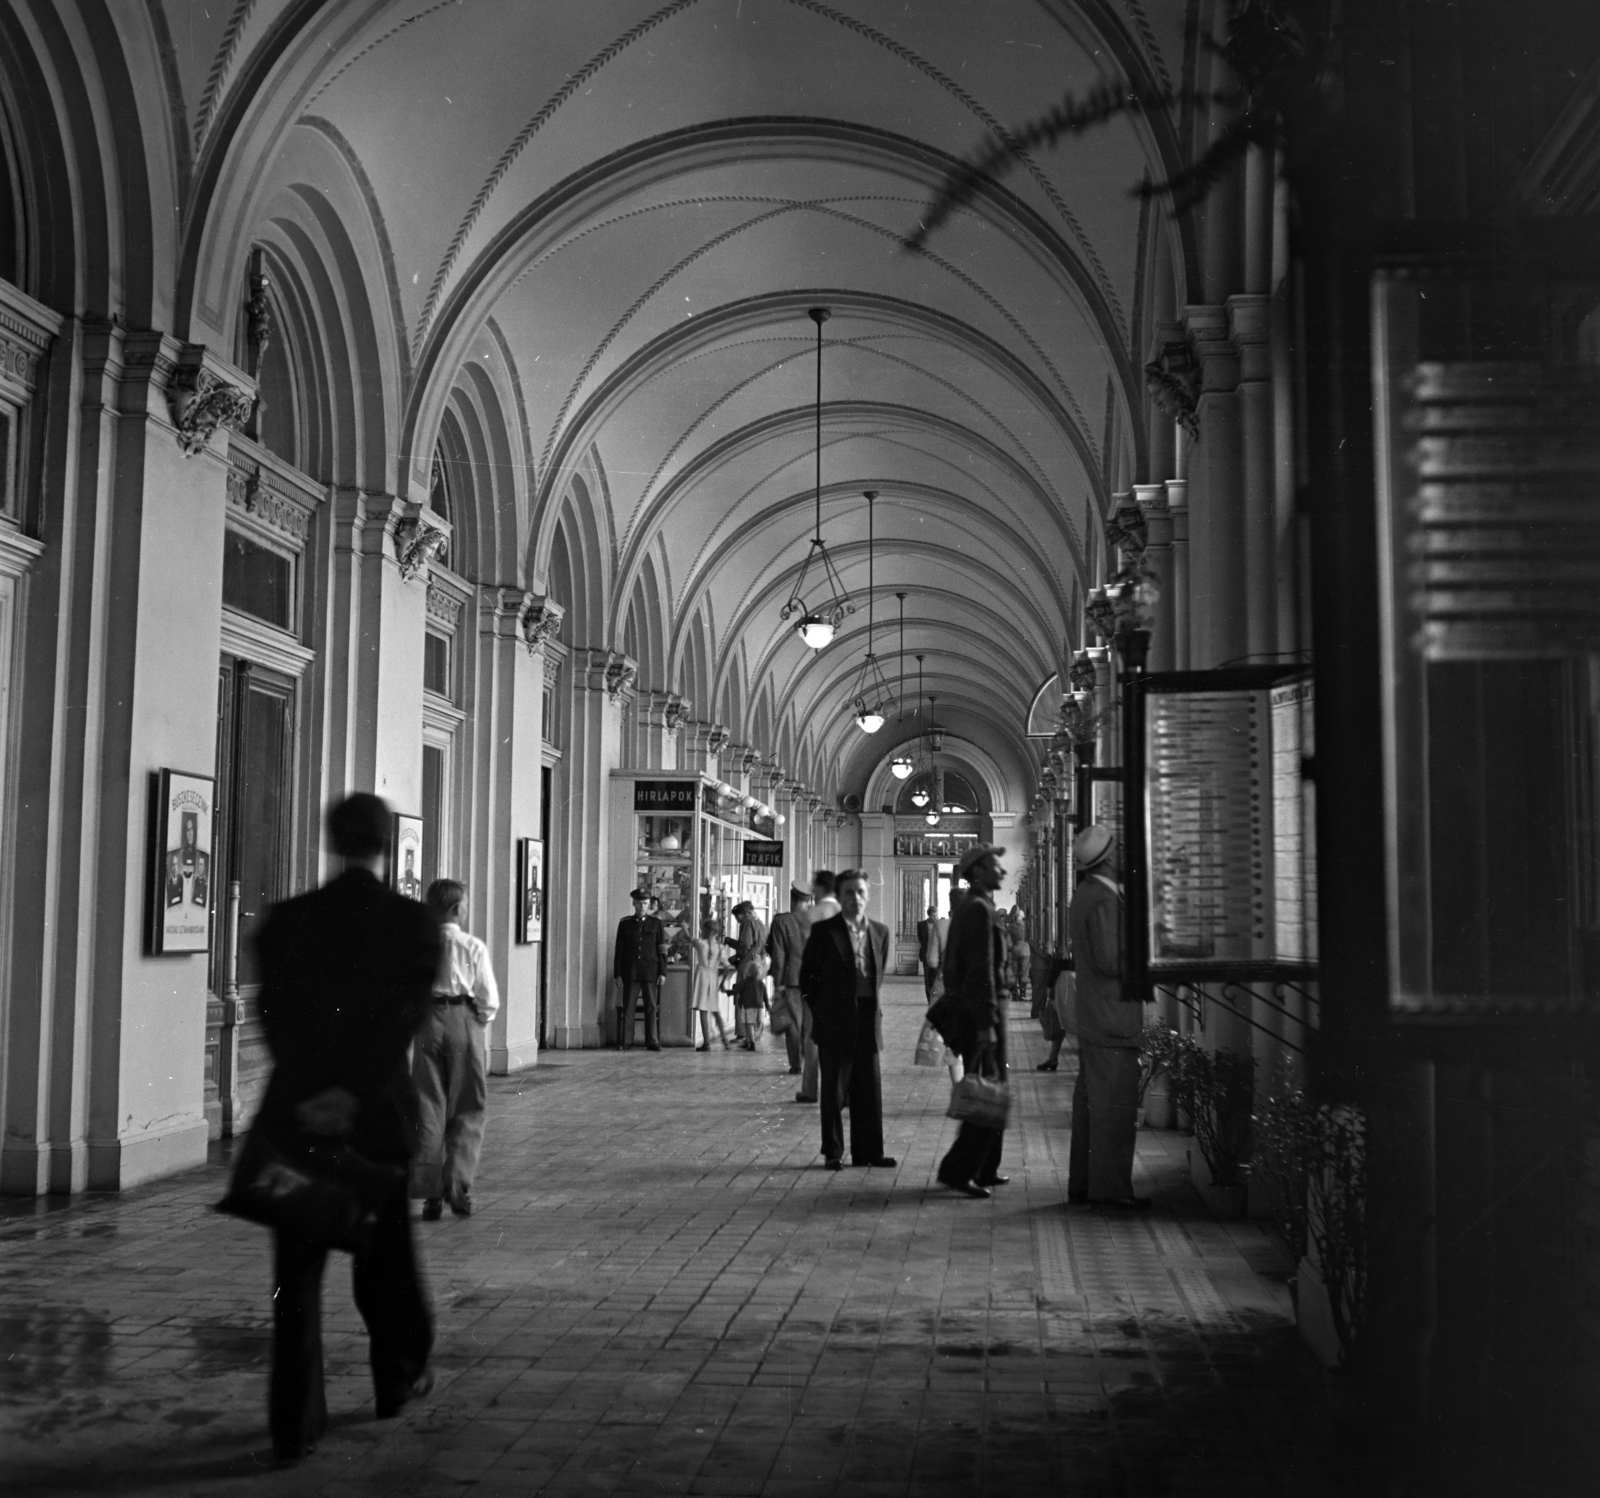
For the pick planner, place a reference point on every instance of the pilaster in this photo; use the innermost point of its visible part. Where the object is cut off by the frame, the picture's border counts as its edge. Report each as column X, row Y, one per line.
column 1216, row 475
column 1178, row 509
column 1249, row 326
column 1152, row 502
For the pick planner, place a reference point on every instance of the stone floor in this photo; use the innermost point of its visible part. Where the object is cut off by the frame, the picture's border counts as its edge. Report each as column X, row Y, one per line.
column 661, row 1292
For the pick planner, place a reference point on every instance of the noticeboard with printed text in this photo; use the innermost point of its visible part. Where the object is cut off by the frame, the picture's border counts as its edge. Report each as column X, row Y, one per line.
column 185, row 847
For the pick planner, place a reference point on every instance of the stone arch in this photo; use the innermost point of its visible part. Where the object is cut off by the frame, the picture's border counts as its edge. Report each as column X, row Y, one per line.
column 579, row 567
column 975, row 762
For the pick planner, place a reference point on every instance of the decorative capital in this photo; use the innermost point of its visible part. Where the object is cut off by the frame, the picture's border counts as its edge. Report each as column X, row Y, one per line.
column 540, row 621
column 749, row 760
column 620, row 675
column 718, row 739
column 202, row 402
column 419, row 540
column 676, row 713
column 1173, row 380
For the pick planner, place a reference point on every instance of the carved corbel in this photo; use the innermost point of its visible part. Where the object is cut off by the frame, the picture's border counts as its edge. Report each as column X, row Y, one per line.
column 718, row 739
column 202, row 402
column 419, row 541
column 749, row 760
column 1173, row 380
column 620, row 675
column 676, row 713
column 539, row 621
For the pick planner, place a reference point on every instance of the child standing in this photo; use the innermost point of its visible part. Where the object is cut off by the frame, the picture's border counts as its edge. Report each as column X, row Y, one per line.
column 448, row 1064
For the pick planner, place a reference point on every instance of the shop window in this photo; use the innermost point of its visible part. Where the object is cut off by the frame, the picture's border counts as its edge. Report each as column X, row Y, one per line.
column 436, row 664
column 257, row 580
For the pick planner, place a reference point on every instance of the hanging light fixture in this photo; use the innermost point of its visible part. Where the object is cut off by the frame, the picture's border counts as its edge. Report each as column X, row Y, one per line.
column 900, row 766
column 817, row 626
column 919, row 797
column 935, row 733
column 871, row 689
column 932, row 818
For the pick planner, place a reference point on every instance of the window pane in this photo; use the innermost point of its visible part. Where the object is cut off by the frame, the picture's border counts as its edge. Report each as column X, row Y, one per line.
column 436, row 664
column 257, row 580
column 432, row 811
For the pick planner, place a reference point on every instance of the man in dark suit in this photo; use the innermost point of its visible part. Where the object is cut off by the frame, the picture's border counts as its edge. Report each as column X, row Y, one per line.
column 786, row 946
column 932, row 935
column 639, row 964
column 346, row 975
column 841, row 978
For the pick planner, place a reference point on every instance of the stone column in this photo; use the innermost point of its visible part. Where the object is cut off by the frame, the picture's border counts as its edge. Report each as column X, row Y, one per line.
column 1249, row 323
column 785, row 801
column 1216, row 477
column 1003, row 830
column 883, row 898
column 1152, row 502
column 508, row 722
column 584, row 903
column 1178, row 509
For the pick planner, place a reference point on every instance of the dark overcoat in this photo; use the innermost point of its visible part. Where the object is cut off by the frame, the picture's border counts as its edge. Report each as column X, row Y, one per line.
column 828, row 982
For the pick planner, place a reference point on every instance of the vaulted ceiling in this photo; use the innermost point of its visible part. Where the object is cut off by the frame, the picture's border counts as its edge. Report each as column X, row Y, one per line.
column 627, row 207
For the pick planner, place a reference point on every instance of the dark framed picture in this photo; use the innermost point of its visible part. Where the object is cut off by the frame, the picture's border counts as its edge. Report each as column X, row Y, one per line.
column 530, row 890
column 405, row 860
column 185, row 842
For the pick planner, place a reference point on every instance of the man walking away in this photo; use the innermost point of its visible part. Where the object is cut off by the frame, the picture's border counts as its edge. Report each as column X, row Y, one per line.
column 932, row 935
column 346, row 974
column 841, row 977
column 786, row 946
column 448, row 1064
column 974, row 974
column 1105, row 1098
column 638, row 967
column 749, row 972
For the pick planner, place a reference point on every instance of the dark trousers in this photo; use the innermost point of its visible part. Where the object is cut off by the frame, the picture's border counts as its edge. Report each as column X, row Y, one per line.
column 853, row 1075
column 1105, row 1119
column 388, row 1294
column 975, row 1155
column 453, row 1090
column 645, row 988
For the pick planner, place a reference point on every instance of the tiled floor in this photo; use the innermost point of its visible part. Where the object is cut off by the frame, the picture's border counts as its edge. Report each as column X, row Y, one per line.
column 660, row 1292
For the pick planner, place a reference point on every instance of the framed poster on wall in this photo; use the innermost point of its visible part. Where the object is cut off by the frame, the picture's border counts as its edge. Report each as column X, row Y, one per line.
column 405, row 859
column 530, row 890
column 184, row 839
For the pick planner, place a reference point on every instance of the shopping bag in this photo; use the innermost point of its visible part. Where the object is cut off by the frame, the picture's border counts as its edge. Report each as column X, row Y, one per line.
column 980, row 1101
column 930, row 1047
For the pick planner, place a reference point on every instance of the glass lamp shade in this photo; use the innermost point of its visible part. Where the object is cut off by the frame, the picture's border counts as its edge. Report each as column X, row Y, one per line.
column 900, row 768
column 670, row 843
column 932, row 818
column 869, row 720
column 815, row 631
column 919, row 798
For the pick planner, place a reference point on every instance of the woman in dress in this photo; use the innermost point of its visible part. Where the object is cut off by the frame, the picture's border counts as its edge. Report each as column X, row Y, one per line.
column 705, row 996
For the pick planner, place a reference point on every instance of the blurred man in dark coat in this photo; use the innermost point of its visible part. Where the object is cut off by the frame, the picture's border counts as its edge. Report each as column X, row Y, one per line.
column 932, row 934
column 639, row 964
column 346, row 975
column 975, row 980
column 841, row 978
column 786, row 945
column 1105, row 1098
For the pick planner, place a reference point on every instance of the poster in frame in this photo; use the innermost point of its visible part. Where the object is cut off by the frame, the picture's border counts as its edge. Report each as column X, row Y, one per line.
column 530, row 890
column 405, row 857
column 184, row 846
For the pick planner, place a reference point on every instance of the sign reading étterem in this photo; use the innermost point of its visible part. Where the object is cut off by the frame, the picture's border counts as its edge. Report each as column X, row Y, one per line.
column 665, row 795
column 762, row 853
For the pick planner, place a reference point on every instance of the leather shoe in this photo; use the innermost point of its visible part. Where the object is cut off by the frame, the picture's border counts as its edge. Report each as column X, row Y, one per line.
column 885, row 1160
column 419, row 1388
column 833, row 1164
column 995, row 1180
column 653, row 1046
column 968, row 1188
column 705, row 1047
column 433, row 1209
column 461, row 1205
column 1122, row 1203
column 1046, row 1066
column 800, row 1097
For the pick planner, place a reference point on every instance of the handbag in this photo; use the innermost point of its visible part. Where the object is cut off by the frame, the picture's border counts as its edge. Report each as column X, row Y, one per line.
column 981, row 1101
column 320, row 1191
column 930, row 1047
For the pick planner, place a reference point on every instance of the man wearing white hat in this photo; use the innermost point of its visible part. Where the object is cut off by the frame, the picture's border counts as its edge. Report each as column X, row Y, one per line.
column 974, row 976
column 1105, row 1098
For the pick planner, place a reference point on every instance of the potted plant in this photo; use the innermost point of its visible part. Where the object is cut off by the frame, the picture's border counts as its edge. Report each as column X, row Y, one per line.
column 1217, row 1091
column 1283, row 1148
column 1336, row 1235
column 1158, row 1049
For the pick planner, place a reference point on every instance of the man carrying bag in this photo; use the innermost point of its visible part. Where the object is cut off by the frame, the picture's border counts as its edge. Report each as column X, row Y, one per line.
column 972, row 1018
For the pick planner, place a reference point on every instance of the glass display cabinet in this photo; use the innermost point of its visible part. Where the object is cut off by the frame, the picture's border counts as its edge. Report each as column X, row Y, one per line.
column 682, row 835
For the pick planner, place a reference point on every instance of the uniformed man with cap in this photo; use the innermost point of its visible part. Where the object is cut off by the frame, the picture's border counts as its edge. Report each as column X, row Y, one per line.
column 639, row 964
column 1105, row 1098
column 975, row 977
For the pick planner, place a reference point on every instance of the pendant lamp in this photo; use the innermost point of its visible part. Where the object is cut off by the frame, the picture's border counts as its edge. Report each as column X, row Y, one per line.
column 871, row 689
column 900, row 766
column 817, row 626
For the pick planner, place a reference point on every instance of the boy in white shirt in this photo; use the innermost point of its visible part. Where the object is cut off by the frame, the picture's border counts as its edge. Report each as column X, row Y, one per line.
column 448, row 1064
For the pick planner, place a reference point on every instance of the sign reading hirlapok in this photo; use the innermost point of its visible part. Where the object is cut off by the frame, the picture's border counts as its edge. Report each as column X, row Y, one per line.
column 760, row 853
column 665, row 795
column 185, row 810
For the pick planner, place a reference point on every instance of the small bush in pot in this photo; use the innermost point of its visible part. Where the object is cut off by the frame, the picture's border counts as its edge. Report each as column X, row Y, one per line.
column 1283, row 1153
column 1217, row 1091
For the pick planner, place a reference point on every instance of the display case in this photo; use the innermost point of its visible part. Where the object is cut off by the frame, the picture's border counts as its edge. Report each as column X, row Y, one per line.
column 681, row 835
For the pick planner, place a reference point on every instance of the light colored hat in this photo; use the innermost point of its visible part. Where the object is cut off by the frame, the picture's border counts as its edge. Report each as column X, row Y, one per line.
column 1092, row 846
column 975, row 855
column 799, row 891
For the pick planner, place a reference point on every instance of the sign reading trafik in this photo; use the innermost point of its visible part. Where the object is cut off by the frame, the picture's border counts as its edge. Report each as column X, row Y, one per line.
column 763, row 853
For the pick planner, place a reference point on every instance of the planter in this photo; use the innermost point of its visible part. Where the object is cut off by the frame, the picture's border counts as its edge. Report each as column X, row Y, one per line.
column 1159, row 1112
column 1226, row 1202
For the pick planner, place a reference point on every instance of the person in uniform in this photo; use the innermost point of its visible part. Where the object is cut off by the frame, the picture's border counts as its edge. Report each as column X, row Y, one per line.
column 786, row 946
column 638, row 965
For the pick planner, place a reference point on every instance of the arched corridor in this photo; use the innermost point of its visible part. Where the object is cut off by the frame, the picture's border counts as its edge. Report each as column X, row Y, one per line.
column 668, row 448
